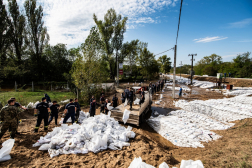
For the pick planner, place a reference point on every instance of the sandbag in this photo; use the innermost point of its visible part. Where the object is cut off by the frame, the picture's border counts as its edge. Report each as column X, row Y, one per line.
column 6, row 149
column 163, row 165
column 138, row 163
column 126, row 114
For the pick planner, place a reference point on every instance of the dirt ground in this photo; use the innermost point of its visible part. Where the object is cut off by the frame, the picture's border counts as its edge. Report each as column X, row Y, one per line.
column 234, row 149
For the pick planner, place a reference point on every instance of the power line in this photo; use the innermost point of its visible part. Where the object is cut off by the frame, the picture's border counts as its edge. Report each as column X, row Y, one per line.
column 164, row 52
column 179, row 20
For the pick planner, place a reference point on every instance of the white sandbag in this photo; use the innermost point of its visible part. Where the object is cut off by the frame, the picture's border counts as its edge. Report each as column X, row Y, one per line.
column 126, row 114
column 5, row 158
column 191, row 164
column 44, row 147
column 126, row 102
column 163, row 165
column 7, row 147
column 109, row 106
column 138, row 163
column 137, row 101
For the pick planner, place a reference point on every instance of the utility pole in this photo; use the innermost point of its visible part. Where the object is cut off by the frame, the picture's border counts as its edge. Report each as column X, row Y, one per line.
column 180, row 68
column 174, row 72
column 191, row 55
column 117, row 72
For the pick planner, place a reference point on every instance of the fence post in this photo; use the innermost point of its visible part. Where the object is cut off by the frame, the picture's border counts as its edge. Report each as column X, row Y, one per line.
column 15, row 86
column 32, row 87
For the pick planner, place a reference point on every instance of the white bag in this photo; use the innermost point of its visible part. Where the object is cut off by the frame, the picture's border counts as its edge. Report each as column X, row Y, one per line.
column 44, row 147
column 5, row 158
column 6, row 149
column 138, row 163
column 126, row 102
column 126, row 116
column 191, row 164
column 163, row 165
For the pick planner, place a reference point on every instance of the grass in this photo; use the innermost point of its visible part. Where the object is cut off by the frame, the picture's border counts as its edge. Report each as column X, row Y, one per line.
column 26, row 97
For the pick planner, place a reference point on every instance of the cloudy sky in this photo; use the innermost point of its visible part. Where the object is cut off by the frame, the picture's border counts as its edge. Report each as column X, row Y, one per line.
column 223, row 27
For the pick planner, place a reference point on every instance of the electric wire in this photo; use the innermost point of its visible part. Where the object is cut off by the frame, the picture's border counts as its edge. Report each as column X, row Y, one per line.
column 164, row 51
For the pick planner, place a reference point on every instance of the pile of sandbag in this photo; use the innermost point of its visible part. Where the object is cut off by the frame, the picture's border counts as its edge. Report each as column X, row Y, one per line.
column 187, row 129
column 224, row 110
column 32, row 105
column 95, row 134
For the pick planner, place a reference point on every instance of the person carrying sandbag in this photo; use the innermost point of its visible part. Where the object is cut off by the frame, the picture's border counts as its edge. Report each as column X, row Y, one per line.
column 9, row 116
column 42, row 111
column 54, row 112
column 92, row 108
column 115, row 101
column 70, row 110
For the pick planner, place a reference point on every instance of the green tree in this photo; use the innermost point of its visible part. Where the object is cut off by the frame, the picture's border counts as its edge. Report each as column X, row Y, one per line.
column 4, row 33
column 88, row 70
column 111, row 31
column 148, row 64
column 243, row 65
column 129, row 52
column 165, row 63
column 209, row 65
column 37, row 34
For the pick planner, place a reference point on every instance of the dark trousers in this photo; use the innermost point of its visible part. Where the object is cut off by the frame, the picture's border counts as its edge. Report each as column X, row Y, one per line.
column 55, row 115
column 68, row 115
column 130, row 102
column 92, row 112
column 102, row 108
column 12, row 126
column 40, row 118
column 77, row 114
column 141, row 101
column 106, row 111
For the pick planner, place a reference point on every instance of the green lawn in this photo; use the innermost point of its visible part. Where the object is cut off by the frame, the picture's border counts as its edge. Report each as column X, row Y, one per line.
column 25, row 97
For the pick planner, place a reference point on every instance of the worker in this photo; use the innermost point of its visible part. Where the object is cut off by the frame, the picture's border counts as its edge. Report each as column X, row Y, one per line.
column 127, row 90
column 92, row 108
column 123, row 97
column 142, row 97
column 225, row 74
column 106, row 106
column 229, row 74
column 155, row 88
column 54, row 112
column 102, row 101
column 115, row 101
column 180, row 92
column 41, row 111
column 48, row 100
column 91, row 100
column 130, row 97
column 16, row 104
column 9, row 116
column 70, row 111
column 77, row 105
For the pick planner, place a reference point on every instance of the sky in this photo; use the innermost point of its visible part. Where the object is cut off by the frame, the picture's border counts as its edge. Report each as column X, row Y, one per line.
column 223, row 27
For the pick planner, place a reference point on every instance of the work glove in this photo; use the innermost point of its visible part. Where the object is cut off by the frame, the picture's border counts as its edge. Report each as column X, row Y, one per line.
column 35, row 114
column 20, row 121
column 1, row 122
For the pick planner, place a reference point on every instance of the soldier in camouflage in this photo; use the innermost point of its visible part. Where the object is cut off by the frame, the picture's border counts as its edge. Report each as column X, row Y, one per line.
column 9, row 116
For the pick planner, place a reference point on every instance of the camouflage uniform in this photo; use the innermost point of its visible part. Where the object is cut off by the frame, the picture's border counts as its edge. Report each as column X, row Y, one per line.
column 9, row 116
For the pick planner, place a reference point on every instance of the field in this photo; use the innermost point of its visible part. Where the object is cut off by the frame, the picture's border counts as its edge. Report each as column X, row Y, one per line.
column 26, row 97
column 232, row 150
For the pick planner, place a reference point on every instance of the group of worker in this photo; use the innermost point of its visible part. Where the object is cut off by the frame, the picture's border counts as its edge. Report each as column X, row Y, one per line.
column 104, row 104
column 128, row 96
column 156, row 87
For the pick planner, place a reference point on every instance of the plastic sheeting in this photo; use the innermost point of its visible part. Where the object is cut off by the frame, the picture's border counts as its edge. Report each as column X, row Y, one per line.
column 93, row 135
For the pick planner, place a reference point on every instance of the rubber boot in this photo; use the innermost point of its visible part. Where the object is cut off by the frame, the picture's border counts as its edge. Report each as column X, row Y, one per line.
column 35, row 130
